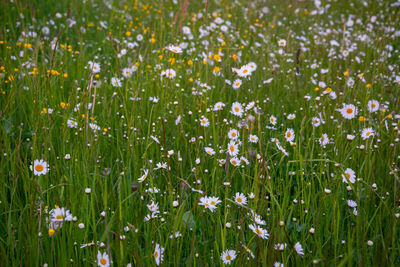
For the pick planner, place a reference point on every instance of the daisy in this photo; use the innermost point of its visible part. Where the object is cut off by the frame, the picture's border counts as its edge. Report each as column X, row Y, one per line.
column 236, row 83
column 126, row 72
column 278, row 264
column 252, row 66
column 367, row 133
column 158, row 254
column 103, row 260
column 218, row 106
column 324, row 140
column 228, row 256
column 233, row 148
column 204, row 122
column 316, row 121
column 289, row 135
column 373, row 106
column 351, row 203
column 259, row 231
column 349, row 111
column 282, row 42
column 144, row 176
column 209, row 151
column 72, row 124
column 244, row 71
column 253, row 138
column 233, row 134
column 59, row 214
column 299, row 248
column 291, row 116
column 175, row 49
column 170, row 73
column 272, row 120
column 234, row 161
column 349, row 175
column 94, row 67
column 237, row 109
column 94, row 127
column 39, row 167
column 209, row 202
column 115, row 82
column 240, row 199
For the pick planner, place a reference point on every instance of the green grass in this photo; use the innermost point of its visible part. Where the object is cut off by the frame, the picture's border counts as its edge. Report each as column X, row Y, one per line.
column 42, row 88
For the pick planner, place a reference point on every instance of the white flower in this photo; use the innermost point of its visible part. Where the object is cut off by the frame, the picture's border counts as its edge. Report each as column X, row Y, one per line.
column 348, row 111
column 240, row 199
column 103, row 260
column 373, row 105
column 289, row 135
column 237, row 109
column 259, row 231
column 39, row 167
column 282, row 42
column 170, row 73
column 209, row 151
column 174, row 49
column 94, row 67
column 351, row 203
column 158, row 254
column 233, row 134
column 218, row 106
column 299, row 248
column 115, row 82
column 72, row 124
column 60, row 215
column 228, row 256
column 367, row 133
column 236, row 83
column 349, row 175
column 253, row 138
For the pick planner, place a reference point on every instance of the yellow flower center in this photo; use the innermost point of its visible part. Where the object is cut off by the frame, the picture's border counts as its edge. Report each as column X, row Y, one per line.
column 103, row 261
column 236, row 109
column 59, row 217
column 39, row 168
column 228, row 257
column 258, row 231
column 156, row 254
column 349, row 111
column 239, row 200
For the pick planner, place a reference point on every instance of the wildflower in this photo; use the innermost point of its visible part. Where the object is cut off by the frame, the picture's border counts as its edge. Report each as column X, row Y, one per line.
column 228, row 256
column 289, row 135
column 349, row 175
column 94, row 127
column 237, row 109
column 278, row 264
column 291, row 116
column 126, row 72
column 39, row 167
column 299, row 248
column 144, row 176
column 218, row 106
column 240, row 199
column 244, row 71
column 272, row 120
column 72, row 124
column 158, row 254
column 175, row 49
column 282, row 43
column 351, row 203
column 233, row 148
column 236, row 84
column 103, row 260
column 234, row 161
column 115, row 82
column 59, row 215
column 253, row 138
column 316, row 121
column 170, row 73
column 259, row 231
column 373, row 106
column 348, row 111
column 233, row 134
column 204, row 122
column 94, row 67
column 367, row 133
column 209, row 151
column 324, row 140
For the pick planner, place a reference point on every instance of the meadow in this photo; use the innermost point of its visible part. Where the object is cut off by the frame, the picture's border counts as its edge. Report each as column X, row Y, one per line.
column 199, row 133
